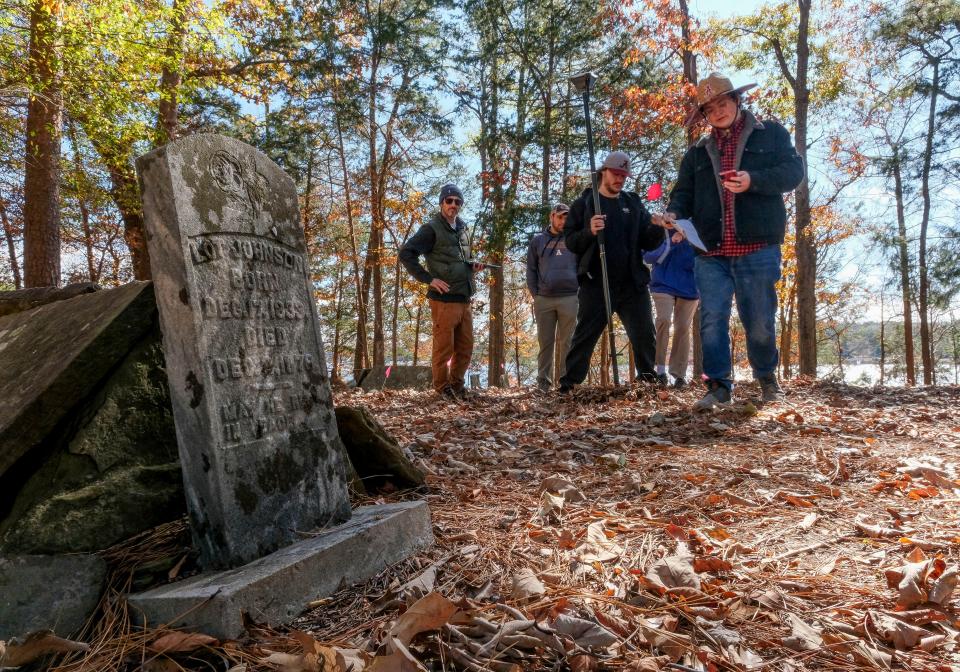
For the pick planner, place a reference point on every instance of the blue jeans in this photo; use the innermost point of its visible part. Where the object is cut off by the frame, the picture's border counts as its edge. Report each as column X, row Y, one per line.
column 752, row 279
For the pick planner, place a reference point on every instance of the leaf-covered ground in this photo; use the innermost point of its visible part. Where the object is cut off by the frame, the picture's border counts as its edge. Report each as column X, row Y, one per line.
column 619, row 530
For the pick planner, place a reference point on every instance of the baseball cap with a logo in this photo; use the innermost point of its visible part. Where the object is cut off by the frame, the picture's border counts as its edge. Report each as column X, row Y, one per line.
column 560, row 207
column 617, row 161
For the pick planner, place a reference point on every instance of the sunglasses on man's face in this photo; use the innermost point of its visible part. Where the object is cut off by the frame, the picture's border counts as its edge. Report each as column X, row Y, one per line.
column 450, row 200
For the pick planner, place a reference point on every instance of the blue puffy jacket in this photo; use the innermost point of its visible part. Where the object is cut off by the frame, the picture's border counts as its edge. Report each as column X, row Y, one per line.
column 672, row 271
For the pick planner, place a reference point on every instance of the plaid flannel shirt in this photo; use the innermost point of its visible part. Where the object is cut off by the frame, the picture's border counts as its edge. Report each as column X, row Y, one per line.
column 727, row 145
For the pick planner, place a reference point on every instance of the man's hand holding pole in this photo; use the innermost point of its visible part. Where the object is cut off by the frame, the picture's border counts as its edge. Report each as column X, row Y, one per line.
column 597, row 224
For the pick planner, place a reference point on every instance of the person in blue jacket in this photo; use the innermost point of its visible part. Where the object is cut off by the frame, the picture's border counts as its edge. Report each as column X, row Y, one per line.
column 675, row 298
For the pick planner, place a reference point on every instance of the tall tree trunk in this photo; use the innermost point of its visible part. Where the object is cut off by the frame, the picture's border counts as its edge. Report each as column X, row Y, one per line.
column 689, row 62
column 126, row 196
column 926, row 342
column 604, row 364
column 92, row 272
column 375, row 244
column 338, row 316
column 41, row 183
column 547, row 147
column 360, row 360
column 171, row 75
column 396, row 310
column 416, row 334
column 805, row 245
column 516, row 350
column 883, row 341
column 11, row 246
column 904, row 260
column 496, row 364
column 786, row 335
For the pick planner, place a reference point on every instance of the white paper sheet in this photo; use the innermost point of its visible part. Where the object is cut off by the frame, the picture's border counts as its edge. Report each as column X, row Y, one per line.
column 690, row 232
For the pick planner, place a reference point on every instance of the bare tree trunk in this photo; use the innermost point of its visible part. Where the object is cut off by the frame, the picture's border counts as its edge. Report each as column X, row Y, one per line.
column 338, row 316
column 416, row 334
column 904, row 259
column 806, row 249
column 631, row 363
column 926, row 342
column 786, row 334
column 171, row 76
column 360, row 360
column 689, row 61
column 396, row 309
column 496, row 364
column 11, row 246
column 604, row 365
column 697, row 347
column 82, row 204
column 375, row 244
column 516, row 350
column 883, row 341
column 41, row 183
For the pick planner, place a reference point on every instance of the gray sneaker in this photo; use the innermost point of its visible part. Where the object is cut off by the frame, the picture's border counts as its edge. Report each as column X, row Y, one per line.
column 717, row 395
column 770, row 390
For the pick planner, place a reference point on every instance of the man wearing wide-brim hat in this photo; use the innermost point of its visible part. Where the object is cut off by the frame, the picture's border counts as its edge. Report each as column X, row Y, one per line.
column 731, row 185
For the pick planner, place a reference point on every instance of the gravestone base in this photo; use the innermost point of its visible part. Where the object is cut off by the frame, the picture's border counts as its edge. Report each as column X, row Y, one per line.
column 276, row 588
column 48, row 592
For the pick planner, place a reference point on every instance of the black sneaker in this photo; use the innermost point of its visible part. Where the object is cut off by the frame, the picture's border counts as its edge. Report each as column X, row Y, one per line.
column 717, row 395
column 663, row 380
column 679, row 384
column 449, row 392
column 565, row 388
column 770, row 390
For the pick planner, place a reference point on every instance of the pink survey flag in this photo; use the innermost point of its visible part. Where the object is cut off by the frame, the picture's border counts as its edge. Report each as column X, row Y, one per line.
column 654, row 191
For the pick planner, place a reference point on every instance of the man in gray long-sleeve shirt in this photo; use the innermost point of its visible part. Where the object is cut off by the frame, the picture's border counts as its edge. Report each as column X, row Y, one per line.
column 552, row 281
column 444, row 243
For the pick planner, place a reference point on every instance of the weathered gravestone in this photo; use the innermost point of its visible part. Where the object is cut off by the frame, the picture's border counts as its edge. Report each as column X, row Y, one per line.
column 401, row 377
column 258, row 440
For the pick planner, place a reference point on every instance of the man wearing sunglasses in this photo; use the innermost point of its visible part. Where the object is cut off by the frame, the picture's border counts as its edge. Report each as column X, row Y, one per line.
column 444, row 244
column 628, row 232
column 552, row 281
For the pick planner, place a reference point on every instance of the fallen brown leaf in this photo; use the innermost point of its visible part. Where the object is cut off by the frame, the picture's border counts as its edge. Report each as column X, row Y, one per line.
column 15, row 653
column 427, row 613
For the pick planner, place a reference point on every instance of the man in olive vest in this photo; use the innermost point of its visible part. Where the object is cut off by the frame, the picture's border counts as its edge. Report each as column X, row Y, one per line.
column 445, row 245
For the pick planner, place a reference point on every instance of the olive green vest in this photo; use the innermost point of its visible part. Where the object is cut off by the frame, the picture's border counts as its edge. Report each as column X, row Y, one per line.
column 448, row 259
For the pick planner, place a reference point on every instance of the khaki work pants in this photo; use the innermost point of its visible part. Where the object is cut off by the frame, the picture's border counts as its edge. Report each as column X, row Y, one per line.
column 678, row 312
column 452, row 343
column 556, row 318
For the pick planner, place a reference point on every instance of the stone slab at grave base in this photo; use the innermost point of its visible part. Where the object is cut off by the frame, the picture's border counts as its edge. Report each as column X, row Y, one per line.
column 48, row 592
column 276, row 588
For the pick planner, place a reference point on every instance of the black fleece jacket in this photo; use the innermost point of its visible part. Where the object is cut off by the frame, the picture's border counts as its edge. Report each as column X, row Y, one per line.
column 641, row 235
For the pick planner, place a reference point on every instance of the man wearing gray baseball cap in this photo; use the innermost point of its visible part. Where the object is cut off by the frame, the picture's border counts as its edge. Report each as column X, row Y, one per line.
column 629, row 232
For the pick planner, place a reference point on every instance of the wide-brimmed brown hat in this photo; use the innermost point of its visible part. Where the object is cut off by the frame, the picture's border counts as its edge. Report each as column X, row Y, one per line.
column 711, row 88
column 716, row 85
